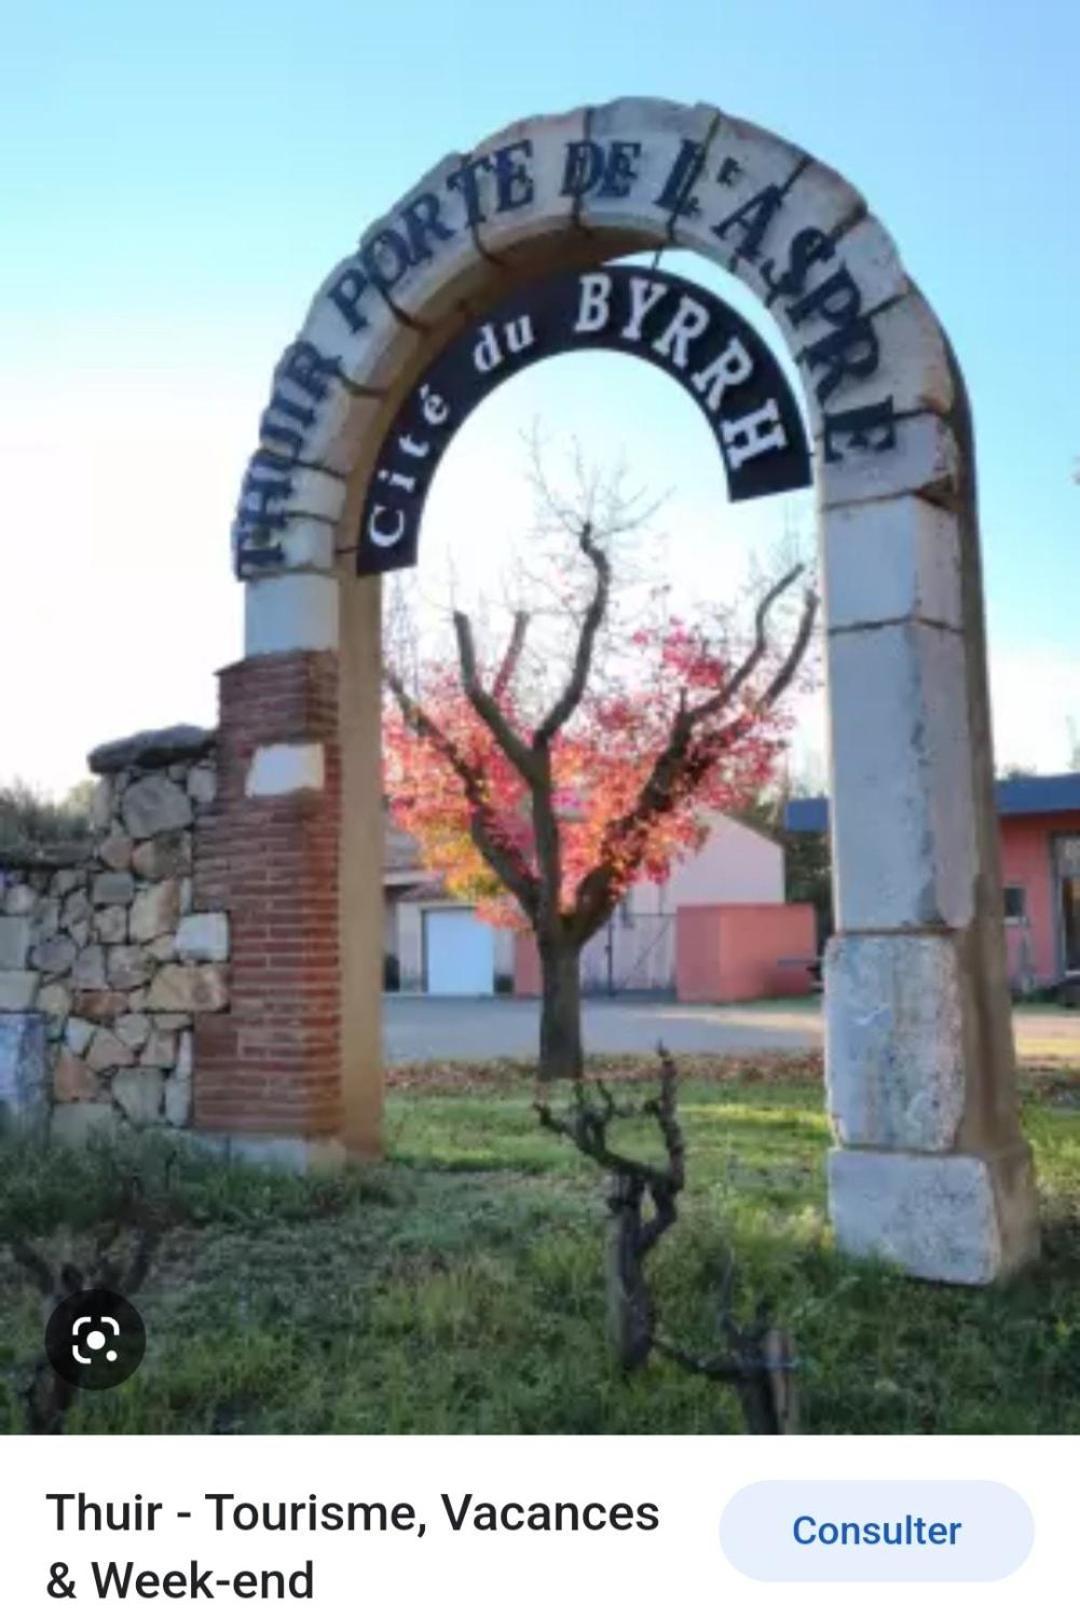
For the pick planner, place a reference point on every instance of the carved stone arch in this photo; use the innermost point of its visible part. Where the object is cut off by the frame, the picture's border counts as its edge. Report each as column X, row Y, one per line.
column 930, row 1168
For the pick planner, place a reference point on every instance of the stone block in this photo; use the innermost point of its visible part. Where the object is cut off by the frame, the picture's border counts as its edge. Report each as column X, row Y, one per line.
column 360, row 330
column 54, row 1000
column 99, row 1004
column 178, row 1101
column 115, row 851
column 89, row 970
column 293, row 1154
column 45, row 920
column 129, row 967
column 284, row 767
column 77, row 1123
column 139, row 1094
column 134, row 1028
column 627, row 185
column 188, row 988
column 65, row 882
column 23, row 1069
column 289, row 613
column 439, row 271
column 156, row 910
column 203, row 936
column 913, row 369
column 185, row 1055
column 160, row 1049
column 155, row 804
column 903, row 814
column 111, row 925
column 73, row 1080
column 101, row 805
column 316, row 492
column 106, row 1052
column 19, row 899
column 894, row 1040
column 78, row 1034
column 56, row 956
column 14, row 943
column 530, row 178
column 152, row 749
column 76, row 908
column 744, row 168
column 921, row 457
column 166, row 855
column 114, row 887
column 965, row 1220
column 202, row 784
column 171, row 1022
column 307, row 544
column 17, row 990
column 892, row 559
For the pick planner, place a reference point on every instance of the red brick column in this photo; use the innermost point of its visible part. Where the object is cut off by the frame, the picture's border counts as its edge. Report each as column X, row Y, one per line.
column 271, row 1065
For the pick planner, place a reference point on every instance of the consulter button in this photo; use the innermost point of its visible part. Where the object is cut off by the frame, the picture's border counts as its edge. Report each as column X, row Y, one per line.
column 888, row 1532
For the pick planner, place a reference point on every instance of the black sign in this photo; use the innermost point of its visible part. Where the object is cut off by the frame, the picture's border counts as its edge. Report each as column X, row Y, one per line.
column 712, row 352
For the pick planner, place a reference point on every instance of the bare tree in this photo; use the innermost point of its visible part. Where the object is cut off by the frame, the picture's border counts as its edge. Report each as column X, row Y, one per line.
column 47, row 1397
column 757, row 1359
column 702, row 731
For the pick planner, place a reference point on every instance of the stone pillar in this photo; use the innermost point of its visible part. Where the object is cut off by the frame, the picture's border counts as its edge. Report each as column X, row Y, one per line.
column 931, row 1171
column 268, row 1072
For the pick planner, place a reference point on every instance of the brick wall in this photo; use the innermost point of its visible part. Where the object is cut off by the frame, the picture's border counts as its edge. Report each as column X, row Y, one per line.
column 271, row 1065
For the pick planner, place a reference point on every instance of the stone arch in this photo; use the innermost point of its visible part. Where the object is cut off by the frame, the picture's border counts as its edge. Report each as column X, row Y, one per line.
column 930, row 1168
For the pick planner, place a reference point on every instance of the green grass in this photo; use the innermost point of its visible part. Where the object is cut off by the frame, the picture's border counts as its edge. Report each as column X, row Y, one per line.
column 458, row 1286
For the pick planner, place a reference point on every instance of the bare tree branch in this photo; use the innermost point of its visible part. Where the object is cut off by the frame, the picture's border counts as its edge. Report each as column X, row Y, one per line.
column 566, row 705
column 501, row 854
column 512, row 657
column 486, row 708
column 682, row 765
column 760, row 645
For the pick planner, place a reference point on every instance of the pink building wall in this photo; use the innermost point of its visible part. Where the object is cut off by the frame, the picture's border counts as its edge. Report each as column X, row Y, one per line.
column 526, row 965
column 732, row 952
column 1027, row 861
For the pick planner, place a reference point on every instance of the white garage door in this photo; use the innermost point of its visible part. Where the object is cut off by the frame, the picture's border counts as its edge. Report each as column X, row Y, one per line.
column 460, row 953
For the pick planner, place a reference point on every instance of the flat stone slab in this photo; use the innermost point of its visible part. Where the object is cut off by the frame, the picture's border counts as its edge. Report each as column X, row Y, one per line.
column 963, row 1219
column 23, row 1078
column 151, row 749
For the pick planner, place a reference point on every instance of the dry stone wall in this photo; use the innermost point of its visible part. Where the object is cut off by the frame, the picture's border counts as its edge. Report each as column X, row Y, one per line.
column 105, row 963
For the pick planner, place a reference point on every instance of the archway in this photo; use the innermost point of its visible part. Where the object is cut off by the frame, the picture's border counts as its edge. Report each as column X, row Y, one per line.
column 930, row 1168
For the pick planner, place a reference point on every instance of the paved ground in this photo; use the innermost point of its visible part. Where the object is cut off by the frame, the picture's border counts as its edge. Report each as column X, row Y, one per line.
column 421, row 1028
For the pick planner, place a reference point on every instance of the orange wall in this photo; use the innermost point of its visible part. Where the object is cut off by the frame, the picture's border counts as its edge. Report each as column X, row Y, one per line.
column 1026, row 858
column 731, row 952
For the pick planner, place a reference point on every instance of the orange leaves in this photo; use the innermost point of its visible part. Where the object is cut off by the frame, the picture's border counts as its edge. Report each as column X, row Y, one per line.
column 599, row 763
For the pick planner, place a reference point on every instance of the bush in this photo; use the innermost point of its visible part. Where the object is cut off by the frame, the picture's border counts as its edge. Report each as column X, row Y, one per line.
column 30, row 818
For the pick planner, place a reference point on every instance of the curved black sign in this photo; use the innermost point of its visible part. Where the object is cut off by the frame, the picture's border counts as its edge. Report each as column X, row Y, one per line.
column 711, row 351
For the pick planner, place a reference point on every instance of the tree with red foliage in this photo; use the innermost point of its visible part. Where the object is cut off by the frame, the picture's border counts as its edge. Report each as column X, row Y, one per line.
column 544, row 793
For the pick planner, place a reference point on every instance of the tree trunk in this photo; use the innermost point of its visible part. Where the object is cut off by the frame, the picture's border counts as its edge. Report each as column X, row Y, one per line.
column 561, row 1055
column 629, row 1302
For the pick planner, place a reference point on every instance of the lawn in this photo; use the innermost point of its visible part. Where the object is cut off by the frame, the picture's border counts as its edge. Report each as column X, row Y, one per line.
column 457, row 1287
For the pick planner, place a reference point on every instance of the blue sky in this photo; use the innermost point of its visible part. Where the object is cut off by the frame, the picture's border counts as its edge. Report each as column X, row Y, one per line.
column 180, row 179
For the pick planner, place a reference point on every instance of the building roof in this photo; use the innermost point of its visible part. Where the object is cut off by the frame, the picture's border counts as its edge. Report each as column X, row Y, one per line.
column 1019, row 795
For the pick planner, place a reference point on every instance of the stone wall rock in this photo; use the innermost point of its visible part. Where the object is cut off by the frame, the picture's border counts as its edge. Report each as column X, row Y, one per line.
column 14, row 943
column 23, row 1069
column 104, row 963
column 155, row 804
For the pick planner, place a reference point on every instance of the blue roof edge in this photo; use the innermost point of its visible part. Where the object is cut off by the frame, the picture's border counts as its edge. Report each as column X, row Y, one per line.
column 1019, row 795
